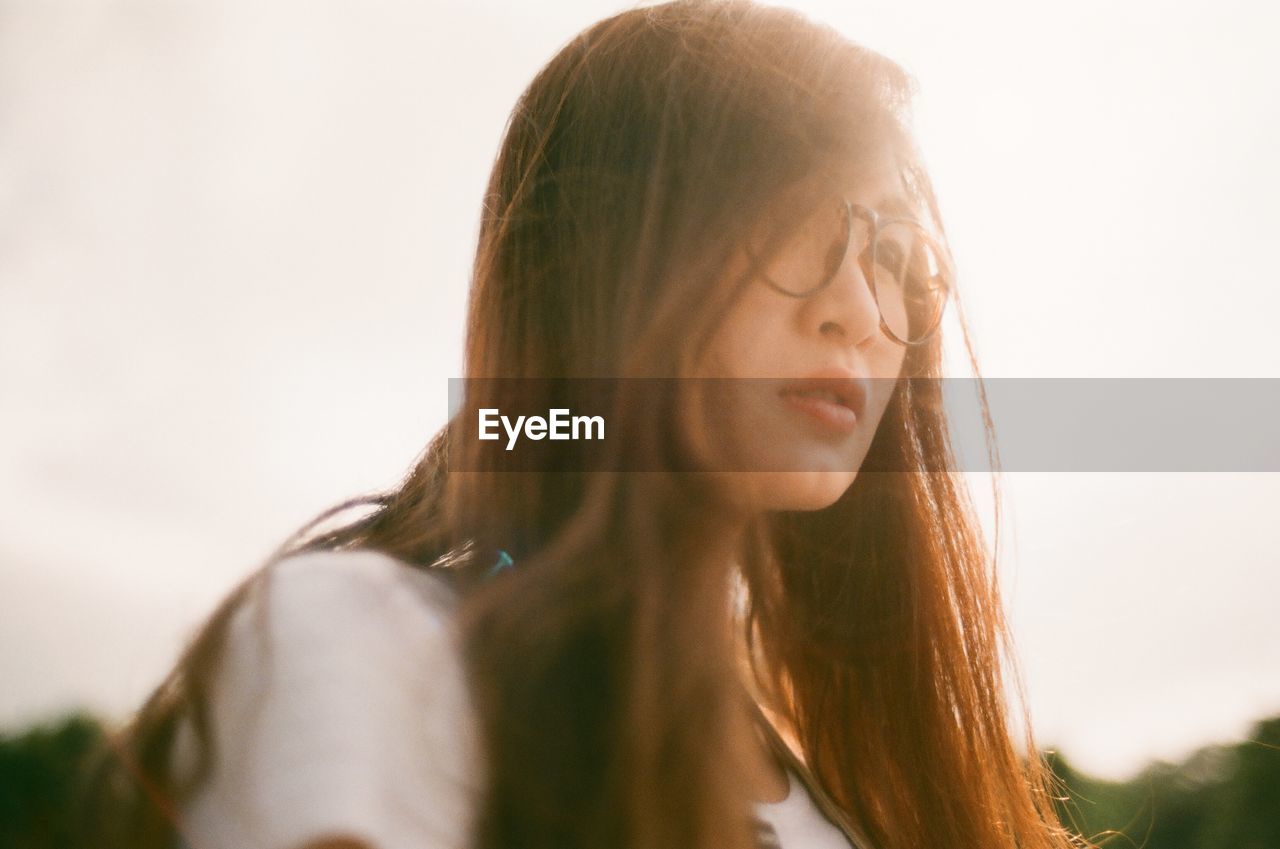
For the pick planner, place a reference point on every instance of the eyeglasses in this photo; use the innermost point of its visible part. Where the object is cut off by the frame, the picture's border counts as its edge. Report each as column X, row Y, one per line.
column 906, row 269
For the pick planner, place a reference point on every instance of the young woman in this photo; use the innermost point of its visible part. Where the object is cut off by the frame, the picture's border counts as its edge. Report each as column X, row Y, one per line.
column 767, row 620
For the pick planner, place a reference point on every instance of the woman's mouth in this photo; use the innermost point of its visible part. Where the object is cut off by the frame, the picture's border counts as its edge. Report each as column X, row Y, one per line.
column 835, row 406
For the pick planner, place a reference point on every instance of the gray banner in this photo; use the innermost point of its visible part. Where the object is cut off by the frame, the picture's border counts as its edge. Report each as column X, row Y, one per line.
column 1040, row 424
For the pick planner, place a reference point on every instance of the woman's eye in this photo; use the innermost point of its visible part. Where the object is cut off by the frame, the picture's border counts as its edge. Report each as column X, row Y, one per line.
column 890, row 256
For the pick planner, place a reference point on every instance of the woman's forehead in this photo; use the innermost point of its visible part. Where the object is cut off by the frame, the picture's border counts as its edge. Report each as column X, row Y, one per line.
column 875, row 179
column 879, row 184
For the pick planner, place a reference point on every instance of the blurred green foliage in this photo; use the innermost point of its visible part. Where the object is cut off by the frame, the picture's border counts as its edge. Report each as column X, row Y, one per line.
column 39, row 775
column 1222, row 797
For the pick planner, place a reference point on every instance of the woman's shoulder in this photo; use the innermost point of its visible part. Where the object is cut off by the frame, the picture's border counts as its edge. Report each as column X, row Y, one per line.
column 362, row 616
column 352, row 580
column 341, row 702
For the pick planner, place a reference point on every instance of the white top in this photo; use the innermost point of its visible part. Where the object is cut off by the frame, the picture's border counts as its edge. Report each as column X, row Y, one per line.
column 796, row 822
column 349, row 713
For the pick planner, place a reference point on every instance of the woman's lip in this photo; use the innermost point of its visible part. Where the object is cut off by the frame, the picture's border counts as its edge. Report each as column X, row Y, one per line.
column 836, row 417
column 849, row 390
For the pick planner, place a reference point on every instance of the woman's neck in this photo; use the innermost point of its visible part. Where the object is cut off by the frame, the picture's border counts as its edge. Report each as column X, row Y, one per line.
column 712, row 537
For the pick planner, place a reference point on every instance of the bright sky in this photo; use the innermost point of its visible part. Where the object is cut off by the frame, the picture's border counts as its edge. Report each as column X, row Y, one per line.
column 234, row 246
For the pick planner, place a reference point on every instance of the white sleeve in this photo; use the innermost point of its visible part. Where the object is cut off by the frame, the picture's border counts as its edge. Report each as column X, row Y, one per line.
column 347, row 714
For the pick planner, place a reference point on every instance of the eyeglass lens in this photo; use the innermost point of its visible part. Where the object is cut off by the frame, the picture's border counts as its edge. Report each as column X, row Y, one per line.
column 904, row 266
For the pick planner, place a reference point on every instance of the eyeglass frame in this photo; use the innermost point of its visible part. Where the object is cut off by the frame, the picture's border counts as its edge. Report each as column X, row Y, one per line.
column 877, row 223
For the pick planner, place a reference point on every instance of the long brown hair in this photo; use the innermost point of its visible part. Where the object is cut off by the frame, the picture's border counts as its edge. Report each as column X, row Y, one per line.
column 629, row 171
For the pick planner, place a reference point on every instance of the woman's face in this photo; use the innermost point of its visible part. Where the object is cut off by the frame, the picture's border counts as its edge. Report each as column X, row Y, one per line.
column 781, row 450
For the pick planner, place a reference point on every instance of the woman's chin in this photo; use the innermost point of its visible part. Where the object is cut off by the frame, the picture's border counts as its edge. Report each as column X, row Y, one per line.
column 757, row 492
column 810, row 490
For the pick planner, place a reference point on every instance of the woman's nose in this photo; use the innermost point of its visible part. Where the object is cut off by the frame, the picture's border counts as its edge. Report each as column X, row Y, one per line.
column 847, row 308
